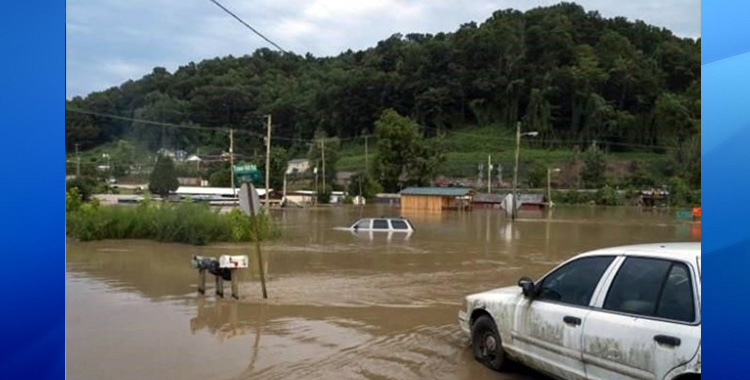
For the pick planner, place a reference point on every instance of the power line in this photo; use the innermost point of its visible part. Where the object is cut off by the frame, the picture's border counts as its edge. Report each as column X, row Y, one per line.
column 248, row 25
column 197, row 127
column 144, row 121
column 315, row 140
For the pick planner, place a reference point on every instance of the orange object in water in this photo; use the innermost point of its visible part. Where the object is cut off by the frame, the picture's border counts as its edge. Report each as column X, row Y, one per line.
column 696, row 212
column 695, row 231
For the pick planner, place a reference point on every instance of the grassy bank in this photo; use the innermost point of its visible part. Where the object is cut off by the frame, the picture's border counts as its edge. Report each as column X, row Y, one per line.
column 469, row 147
column 607, row 196
column 190, row 223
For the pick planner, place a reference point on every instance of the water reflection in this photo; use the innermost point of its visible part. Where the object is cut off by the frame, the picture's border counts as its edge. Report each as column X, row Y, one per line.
column 387, row 236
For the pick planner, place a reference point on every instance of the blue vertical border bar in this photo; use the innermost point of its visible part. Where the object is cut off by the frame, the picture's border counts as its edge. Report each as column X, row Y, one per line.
column 725, row 153
column 32, row 176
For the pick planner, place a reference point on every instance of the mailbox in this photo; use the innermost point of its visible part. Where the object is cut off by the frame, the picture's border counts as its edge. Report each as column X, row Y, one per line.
column 223, row 269
column 232, row 262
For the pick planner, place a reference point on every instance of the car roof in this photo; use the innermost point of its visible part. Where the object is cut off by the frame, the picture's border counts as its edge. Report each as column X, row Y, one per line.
column 683, row 251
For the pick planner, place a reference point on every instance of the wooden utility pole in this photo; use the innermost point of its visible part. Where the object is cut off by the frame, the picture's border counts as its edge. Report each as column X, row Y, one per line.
column 366, row 156
column 268, row 159
column 231, row 160
column 78, row 163
column 315, row 199
column 198, row 161
column 323, row 153
column 283, row 194
column 489, row 174
column 515, row 171
column 549, row 186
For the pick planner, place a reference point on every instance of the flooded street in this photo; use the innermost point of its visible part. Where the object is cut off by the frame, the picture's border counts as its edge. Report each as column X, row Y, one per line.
column 341, row 305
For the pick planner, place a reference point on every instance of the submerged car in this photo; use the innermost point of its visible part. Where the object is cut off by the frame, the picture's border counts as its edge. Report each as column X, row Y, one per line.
column 382, row 225
column 630, row 312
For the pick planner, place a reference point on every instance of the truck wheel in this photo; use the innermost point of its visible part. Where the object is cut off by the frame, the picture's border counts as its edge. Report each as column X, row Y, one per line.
column 486, row 344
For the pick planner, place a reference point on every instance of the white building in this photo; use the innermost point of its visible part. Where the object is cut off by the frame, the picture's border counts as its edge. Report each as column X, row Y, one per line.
column 214, row 191
column 299, row 165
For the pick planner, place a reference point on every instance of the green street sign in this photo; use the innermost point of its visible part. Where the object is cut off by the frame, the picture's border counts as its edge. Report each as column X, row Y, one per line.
column 247, row 174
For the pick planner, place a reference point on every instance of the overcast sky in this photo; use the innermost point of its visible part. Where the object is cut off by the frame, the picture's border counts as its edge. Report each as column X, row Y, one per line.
column 111, row 41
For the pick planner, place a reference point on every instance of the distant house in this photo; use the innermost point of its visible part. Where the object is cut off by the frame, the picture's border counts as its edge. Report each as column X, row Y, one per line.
column 307, row 197
column 299, row 165
column 214, row 191
column 387, row 198
column 531, row 201
column 343, row 178
column 301, row 197
column 189, row 181
column 528, row 202
column 487, row 201
column 176, row 155
column 435, row 198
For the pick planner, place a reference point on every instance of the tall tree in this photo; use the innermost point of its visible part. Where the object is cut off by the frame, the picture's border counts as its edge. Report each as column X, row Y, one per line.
column 403, row 157
column 594, row 167
column 278, row 164
column 163, row 179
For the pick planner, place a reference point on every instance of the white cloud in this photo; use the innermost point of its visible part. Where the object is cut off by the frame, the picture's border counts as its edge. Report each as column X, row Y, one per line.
column 111, row 41
column 123, row 69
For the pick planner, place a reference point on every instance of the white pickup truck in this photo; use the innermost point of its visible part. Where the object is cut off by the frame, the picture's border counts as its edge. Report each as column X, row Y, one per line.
column 630, row 312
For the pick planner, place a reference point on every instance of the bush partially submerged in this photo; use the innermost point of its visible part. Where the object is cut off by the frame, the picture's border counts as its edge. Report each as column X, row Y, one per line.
column 189, row 222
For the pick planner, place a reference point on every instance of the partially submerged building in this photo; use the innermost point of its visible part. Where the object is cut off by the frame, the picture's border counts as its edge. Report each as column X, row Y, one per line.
column 435, row 198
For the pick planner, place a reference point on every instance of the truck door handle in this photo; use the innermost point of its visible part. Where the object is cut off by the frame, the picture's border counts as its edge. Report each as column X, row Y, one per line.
column 667, row 340
column 572, row 320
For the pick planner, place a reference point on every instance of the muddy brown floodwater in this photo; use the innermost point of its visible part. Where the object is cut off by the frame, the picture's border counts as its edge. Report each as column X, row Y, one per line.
column 341, row 305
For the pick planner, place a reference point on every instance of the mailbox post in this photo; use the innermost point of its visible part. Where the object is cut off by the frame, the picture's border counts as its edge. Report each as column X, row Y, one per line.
column 225, row 268
column 233, row 263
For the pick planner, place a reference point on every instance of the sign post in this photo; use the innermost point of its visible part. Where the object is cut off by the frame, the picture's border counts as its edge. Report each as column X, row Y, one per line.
column 250, row 205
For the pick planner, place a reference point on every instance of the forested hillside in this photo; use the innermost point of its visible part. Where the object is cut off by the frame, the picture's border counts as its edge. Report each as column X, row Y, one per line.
column 568, row 73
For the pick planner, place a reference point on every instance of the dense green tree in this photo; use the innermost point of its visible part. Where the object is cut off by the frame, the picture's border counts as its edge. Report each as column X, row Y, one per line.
column 674, row 120
column 122, row 157
column 594, row 167
column 680, row 194
column 403, row 157
column 85, row 186
column 363, row 184
column 536, row 175
column 278, row 164
column 569, row 73
column 221, row 177
column 163, row 179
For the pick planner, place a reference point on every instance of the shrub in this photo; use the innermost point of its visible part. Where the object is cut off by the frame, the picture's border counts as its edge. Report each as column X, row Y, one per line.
column 73, row 200
column 190, row 223
column 324, row 194
column 607, row 196
column 85, row 185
